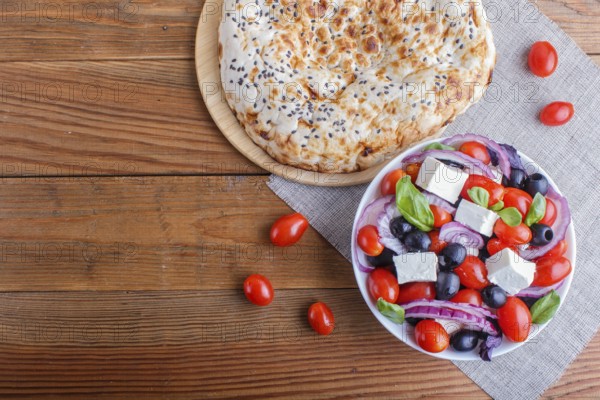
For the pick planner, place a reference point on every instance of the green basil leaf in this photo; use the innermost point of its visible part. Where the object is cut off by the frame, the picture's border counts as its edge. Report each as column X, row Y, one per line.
column 537, row 210
column 438, row 146
column 413, row 205
column 479, row 196
column 545, row 308
column 511, row 216
column 498, row 206
column 391, row 311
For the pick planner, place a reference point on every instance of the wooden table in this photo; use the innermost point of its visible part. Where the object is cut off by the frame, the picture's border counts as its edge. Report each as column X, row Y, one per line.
column 128, row 224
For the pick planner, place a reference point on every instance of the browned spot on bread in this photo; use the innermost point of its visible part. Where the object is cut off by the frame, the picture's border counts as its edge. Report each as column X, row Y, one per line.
column 431, row 29
column 366, row 151
column 220, row 51
column 264, row 135
column 371, row 45
column 351, row 31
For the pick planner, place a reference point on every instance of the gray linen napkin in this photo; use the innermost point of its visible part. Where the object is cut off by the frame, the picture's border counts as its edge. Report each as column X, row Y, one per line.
column 570, row 154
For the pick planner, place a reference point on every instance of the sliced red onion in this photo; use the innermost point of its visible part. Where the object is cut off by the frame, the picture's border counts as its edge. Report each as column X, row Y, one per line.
column 456, row 156
column 503, row 162
column 538, row 291
column 369, row 217
column 386, row 238
column 473, row 321
column 465, row 307
column 488, row 345
column 455, row 232
column 438, row 201
column 513, row 156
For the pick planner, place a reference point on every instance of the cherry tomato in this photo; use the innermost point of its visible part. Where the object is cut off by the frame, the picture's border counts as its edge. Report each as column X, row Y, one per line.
column 431, row 336
column 550, row 215
column 258, row 290
column 440, row 216
column 558, row 250
column 472, row 273
column 542, row 59
column 557, row 113
column 416, row 291
column 382, row 283
column 512, row 235
column 476, row 150
column 436, row 245
column 495, row 245
column 514, row 319
column 412, row 170
column 495, row 190
column 288, row 229
column 551, row 270
column 388, row 184
column 320, row 318
column 469, row 296
column 368, row 240
column 517, row 198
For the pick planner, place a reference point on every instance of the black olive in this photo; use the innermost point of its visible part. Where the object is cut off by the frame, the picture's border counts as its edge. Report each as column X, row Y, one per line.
column 447, row 285
column 452, row 164
column 536, row 183
column 464, row 340
column 483, row 253
column 493, row 156
column 452, row 256
column 400, row 227
column 517, row 178
column 417, row 241
column 542, row 234
column 382, row 260
column 494, row 296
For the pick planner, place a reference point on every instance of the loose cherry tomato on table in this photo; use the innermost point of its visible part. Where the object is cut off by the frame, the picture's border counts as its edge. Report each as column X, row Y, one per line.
column 258, row 290
column 557, row 113
column 517, row 198
column 551, row 270
column 431, row 336
column 542, row 59
column 412, row 170
column 288, row 229
column 416, row 291
column 320, row 318
column 514, row 319
column 550, row 215
column 382, row 283
column 558, row 250
column 388, row 184
column 368, row 240
column 469, row 296
column 472, row 273
column 494, row 245
column 495, row 190
column 476, row 150
column 436, row 245
column 440, row 216
column 512, row 235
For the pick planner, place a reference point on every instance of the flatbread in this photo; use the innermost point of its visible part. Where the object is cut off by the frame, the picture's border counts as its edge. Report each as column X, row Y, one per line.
column 341, row 86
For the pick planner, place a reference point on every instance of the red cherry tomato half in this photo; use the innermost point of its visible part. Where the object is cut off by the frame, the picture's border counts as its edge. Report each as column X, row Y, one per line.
column 494, row 245
column 382, row 283
column 469, row 296
column 557, row 251
column 436, row 245
column 472, row 273
column 557, row 113
column 388, row 184
column 542, row 59
column 551, row 270
column 412, row 170
column 517, row 198
column 512, row 235
column 288, row 229
column 258, row 290
column 476, row 150
column 440, row 216
column 431, row 336
column 495, row 190
column 368, row 240
column 416, row 291
column 550, row 215
column 320, row 318
column 514, row 319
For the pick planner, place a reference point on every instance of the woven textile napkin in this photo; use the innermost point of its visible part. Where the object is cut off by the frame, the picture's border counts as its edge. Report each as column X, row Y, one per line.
column 570, row 154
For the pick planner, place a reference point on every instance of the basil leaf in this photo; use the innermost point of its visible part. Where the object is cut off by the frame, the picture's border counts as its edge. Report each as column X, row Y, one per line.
column 537, row 210
column 437, row 146
column 479, row 196
column 413, row 205
column 511, row 216
column 545, row 308
column 498, row 206
column 391, row 311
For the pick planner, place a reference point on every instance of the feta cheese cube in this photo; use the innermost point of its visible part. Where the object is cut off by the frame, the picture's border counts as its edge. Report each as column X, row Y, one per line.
column 416, row 267
column 441, row 179
column 476, row 217
column 509, row 271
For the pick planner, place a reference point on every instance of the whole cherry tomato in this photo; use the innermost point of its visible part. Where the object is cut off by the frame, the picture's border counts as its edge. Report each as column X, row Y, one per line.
column 469, row 296
column 412, row 170
column 388, row 184
column 517, row 198
column 416, row 291
column 557, row 113
column 514, row 319
column 512, row 235
column 258, row 290
column 495, row 245
column 368, row 240
column 472, row 273
column 431, row 336
column 495, row 190
column 550, row 215
column 382, row 283
column 558, row 250
column 288, row 229
column 476, row 150
column 551, row 270
column 320, row 318
column 542, row 59
column 440, row 216
column 436, row 245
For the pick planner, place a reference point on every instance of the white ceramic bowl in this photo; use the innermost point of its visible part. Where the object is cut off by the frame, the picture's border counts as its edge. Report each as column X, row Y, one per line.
column 405, row 332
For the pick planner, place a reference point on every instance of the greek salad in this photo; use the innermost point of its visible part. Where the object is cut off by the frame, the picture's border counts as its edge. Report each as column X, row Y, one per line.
column 466, row 244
